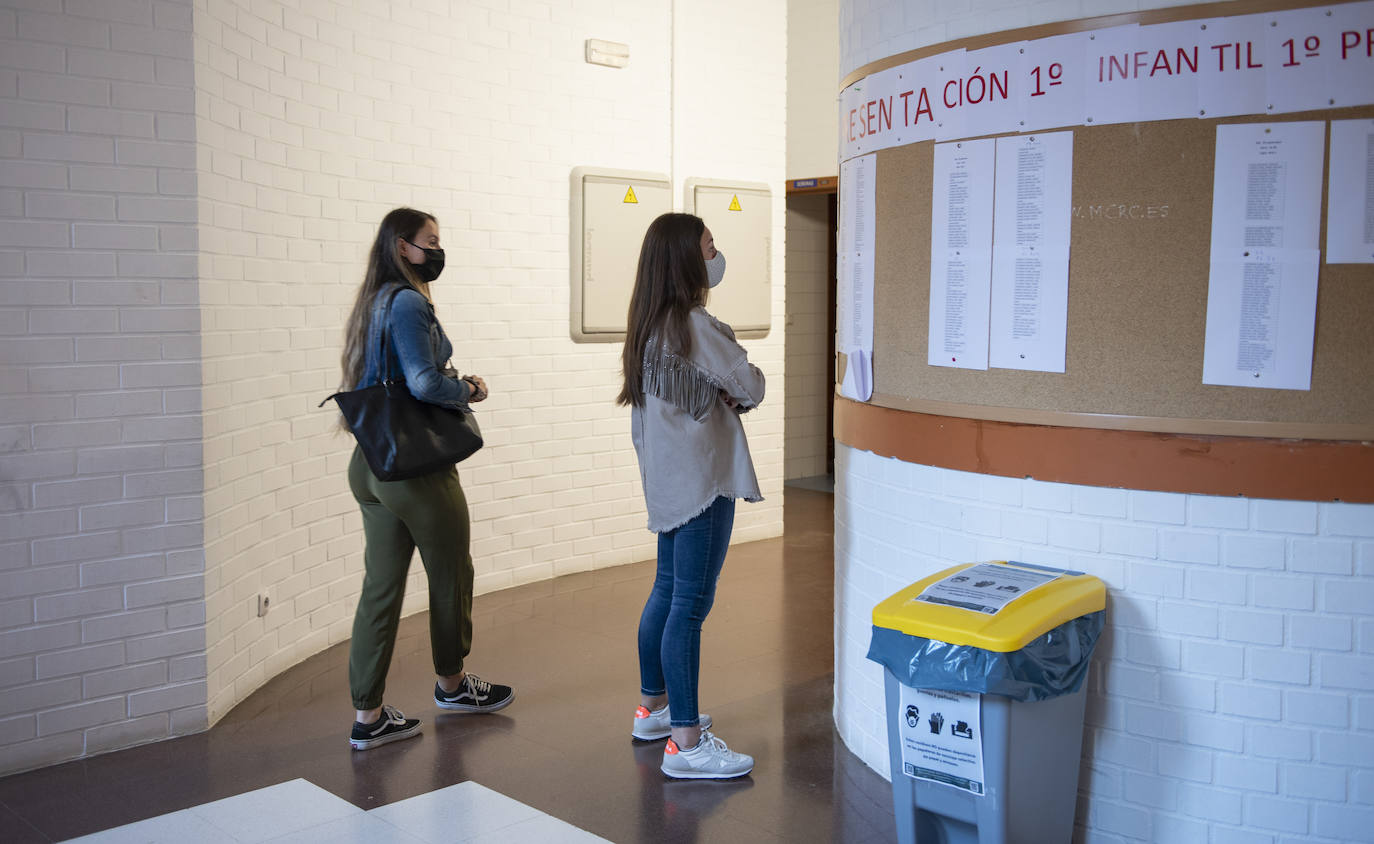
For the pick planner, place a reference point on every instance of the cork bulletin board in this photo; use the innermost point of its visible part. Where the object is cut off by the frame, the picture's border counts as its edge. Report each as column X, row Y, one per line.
column 1138, row 277
column 1138, row 268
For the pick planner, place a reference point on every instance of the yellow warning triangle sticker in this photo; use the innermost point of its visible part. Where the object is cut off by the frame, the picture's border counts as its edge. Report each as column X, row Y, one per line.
column 734, row 203
column 630, row 198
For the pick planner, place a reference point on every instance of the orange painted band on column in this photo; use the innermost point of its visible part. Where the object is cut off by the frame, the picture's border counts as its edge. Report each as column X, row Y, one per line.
column 1294, row 470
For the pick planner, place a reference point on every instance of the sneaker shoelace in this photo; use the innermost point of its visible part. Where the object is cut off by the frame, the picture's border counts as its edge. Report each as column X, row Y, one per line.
column 477, row 684
column 713, row 745
column 392, row 714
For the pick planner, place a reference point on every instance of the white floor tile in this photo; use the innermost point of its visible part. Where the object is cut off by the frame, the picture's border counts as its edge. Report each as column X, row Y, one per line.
column 459, row 812
column 297, row 812
column 545, row 829
column 354, row 829
column 274, row 811
column 171, row 828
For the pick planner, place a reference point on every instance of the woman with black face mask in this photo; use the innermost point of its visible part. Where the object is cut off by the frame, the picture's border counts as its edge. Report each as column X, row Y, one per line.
column 428, row 512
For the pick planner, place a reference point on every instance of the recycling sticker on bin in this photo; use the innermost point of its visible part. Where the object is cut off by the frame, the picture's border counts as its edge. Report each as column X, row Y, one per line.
column 985, row 588
column 942, row 737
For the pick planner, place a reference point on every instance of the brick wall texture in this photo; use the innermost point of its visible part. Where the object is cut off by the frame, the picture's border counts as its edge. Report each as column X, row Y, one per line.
column 102, row 569
column 1232, row 692
column 809, row 372
column 187, row 192
column 1231, row 698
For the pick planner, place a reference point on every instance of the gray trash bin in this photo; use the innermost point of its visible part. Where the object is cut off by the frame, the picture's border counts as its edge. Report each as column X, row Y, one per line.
column 985, row 694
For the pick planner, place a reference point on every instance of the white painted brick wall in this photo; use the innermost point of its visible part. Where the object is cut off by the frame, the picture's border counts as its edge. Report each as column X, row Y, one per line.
column 101, row 576
column 1228, row 701
column 316, row 119
column 809, row 375
column 178, row 261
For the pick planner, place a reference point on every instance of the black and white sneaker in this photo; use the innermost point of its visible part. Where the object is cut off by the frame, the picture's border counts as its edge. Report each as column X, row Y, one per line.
column 392, row 726
column 474, row 695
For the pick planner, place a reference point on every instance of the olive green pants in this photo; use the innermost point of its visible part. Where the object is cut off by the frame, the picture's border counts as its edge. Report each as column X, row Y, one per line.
column 428, row 512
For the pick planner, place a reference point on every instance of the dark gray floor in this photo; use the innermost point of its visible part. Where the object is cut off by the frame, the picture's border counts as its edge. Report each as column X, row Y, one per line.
column 568, row 646
column 816, row 483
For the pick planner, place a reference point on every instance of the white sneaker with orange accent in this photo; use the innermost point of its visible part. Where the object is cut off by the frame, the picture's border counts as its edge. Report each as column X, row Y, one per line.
column 652, row 726
column 709, row 760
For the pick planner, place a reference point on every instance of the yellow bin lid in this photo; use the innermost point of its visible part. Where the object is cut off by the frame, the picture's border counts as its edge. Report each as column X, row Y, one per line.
column 1034, row 611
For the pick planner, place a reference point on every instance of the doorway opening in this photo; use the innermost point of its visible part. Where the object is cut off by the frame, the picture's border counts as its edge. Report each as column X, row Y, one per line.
column 809, row 433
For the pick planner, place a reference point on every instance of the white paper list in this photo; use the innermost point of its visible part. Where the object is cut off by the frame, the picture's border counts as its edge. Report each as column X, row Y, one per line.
column 1350, row 193
column 1261, row 315
column 1262, row 286
column 1266, row 190
column 1259, row 301
column 961, row 254
column 858, row 209
column 1030, row 252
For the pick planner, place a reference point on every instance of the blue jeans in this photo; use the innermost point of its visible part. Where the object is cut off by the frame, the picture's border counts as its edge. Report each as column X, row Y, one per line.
column 689, row 562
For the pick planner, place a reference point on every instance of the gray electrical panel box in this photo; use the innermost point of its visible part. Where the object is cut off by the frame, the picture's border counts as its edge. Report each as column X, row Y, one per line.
column 740, row 217
column 610, row 211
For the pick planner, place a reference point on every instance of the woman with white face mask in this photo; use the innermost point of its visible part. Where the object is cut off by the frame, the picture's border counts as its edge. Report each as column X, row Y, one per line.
column 686, row 382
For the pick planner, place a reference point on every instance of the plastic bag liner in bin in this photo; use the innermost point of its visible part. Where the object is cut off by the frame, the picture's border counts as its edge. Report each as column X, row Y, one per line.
column 1033, row 646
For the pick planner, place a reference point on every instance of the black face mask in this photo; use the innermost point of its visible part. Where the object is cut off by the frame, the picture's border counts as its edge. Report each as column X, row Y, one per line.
column 433, row 265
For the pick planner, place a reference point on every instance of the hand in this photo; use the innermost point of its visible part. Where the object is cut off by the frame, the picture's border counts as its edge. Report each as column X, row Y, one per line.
column 729, row 400
column 479, row 387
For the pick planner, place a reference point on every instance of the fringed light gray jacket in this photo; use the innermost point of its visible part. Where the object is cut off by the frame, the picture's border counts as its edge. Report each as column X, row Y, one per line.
column 690, row 443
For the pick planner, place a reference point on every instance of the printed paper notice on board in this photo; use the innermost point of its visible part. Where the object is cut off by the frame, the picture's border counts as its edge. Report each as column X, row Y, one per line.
column 1350, row 193
column 1352, row 82
column 1261, row 318
column 942, row 737
column 854, row 327
column 984, row 90
column 986, row 588
column 858, row 376
column 1296, row 76
column 1267, row 190
column 949, row 73
column 854, row 331
column 1029, row 307
column 1112, row 96
column 1262, row 284
column 1232, row 80
column 1266, row 63
column 858, row 215
column 960, row 254
column 1174, row 52
column 1055, row 71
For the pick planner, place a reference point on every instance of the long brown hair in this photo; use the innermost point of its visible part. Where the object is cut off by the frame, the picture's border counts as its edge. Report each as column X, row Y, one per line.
column 385, row 265
column 669, row 283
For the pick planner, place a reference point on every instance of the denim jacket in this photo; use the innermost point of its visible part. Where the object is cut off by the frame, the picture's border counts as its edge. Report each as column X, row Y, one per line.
column 418, row 349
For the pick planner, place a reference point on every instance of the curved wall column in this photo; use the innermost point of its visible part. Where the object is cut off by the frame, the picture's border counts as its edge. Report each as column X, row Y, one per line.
column 1232, row 693
column 1233, row 689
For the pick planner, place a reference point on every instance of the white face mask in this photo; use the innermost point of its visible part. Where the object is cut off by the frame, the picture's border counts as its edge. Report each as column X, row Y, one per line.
column 715, row 269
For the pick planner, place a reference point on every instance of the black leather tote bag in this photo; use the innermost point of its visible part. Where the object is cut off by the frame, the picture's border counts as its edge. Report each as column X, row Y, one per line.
column 400, row 436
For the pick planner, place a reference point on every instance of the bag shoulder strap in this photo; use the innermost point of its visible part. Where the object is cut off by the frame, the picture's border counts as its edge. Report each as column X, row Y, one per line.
column 386, row 358
column 386, row 325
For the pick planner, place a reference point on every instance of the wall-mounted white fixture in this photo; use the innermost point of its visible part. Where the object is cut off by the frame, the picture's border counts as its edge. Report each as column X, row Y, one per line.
column 740, row 217
column 610, row 211
column 608, row 53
